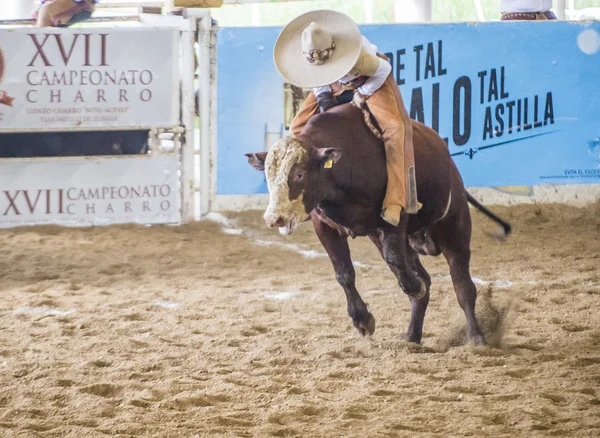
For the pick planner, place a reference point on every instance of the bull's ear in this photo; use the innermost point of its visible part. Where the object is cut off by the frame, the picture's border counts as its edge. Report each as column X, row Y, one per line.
column 328, row 156
column 257, row 160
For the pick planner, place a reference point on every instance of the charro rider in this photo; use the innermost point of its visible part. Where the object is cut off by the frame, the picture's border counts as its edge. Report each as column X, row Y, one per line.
column 63, row 13
column 324, row 50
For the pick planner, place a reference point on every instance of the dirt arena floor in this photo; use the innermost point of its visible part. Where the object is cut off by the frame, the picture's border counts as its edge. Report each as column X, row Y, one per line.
column 225, row 328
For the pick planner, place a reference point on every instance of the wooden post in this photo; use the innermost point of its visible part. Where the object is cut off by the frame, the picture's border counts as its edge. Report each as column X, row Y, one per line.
column 197, row 3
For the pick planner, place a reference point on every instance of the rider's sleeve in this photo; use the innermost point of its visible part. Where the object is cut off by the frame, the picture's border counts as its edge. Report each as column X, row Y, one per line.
column 321, row 90
column 377, row 79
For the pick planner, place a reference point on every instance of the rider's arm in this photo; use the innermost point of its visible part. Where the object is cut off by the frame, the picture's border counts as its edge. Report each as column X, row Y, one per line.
column 377, row 78
column 321, row 90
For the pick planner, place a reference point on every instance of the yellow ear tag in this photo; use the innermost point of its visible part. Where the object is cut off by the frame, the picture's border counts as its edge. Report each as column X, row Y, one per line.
column 328, row 164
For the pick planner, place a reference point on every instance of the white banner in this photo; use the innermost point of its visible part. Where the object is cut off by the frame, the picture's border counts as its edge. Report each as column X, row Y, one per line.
column 84, row 78
column 92, row 191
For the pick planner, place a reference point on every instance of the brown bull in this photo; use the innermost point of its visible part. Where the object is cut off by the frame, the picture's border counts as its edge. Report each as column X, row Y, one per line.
column 335, row 173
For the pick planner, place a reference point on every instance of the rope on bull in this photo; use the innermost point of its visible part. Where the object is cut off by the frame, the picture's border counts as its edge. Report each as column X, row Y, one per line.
column 368, row 121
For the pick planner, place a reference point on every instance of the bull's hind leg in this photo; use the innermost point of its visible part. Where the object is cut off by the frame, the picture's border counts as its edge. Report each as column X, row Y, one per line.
column 418, row 305
column 454, row 239
column 339, row 253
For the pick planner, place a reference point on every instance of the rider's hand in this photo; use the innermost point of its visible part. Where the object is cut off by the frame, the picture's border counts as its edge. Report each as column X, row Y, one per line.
column 326, row 100
column 358, row 99
column 337, row 89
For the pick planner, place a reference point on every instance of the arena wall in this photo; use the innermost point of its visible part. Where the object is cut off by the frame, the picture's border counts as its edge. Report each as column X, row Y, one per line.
column 109, row 79
column 517, row 102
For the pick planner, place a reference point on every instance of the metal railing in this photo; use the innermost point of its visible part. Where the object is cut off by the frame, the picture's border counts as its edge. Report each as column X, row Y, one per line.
column 130, row 4
column 95, row 19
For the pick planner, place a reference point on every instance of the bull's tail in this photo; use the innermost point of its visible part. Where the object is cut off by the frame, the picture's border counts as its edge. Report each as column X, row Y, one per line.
column 505, row 225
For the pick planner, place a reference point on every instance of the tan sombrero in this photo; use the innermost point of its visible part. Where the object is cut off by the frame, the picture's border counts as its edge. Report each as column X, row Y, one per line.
column 317, row 48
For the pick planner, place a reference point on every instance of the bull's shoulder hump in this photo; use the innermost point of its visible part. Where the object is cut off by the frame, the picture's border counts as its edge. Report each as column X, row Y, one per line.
column 344, row 114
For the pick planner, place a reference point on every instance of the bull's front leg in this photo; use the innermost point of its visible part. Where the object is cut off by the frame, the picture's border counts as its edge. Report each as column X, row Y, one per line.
column 339, row 253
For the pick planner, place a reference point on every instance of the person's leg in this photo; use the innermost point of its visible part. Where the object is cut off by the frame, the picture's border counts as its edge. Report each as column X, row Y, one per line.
column 59, row 12
column 547, row 15
column 78, row 17
column 309, row 108
column 528, row 16
column 388, row 109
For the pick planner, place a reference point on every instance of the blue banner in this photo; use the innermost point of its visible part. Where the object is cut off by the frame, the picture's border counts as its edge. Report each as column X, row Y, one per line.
column 517, row 102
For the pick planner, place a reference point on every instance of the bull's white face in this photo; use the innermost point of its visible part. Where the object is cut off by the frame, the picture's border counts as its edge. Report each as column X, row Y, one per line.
column 294, row 176
column 284, row 165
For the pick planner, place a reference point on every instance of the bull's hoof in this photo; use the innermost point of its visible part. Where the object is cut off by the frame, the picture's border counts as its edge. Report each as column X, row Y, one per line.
column 365, row 328
column 478, row 340
column 413, row 337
